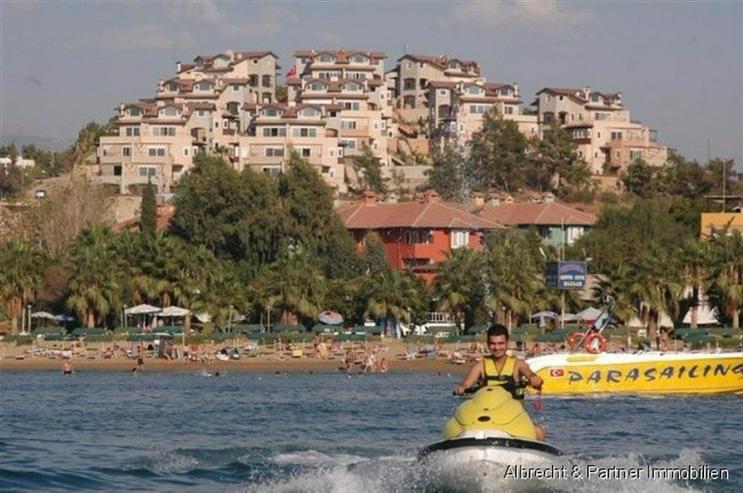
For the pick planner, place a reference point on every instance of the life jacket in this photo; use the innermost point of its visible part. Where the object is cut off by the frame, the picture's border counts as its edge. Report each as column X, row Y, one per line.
column 504, row 378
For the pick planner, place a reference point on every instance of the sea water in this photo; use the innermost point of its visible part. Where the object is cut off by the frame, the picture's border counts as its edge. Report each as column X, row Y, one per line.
column 326, row 432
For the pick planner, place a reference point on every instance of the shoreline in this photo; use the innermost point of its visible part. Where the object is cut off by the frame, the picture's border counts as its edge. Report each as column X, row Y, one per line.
column 255, row 365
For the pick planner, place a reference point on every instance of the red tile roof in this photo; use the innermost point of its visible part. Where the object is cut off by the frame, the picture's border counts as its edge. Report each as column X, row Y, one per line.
column 548, row 214
column 433, row 213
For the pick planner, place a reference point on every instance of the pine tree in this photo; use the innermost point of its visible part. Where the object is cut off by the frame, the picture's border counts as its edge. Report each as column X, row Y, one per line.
column 148, row 212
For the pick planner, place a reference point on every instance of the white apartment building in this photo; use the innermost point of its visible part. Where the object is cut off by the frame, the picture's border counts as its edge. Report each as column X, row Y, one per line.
column 351, row 85
column 197, row 110
column 275, row 130
column 456, row 110
column 607, row 139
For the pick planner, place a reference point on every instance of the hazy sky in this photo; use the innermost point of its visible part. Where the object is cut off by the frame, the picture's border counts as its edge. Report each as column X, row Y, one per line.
column 678, row 64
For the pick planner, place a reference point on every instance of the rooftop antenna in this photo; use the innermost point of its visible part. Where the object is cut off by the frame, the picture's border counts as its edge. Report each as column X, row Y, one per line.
column 405, row 49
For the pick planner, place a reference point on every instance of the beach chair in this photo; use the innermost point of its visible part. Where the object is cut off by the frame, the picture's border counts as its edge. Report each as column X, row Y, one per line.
column 298, row 353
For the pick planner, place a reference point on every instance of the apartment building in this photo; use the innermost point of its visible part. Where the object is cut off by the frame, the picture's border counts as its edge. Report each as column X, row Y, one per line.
column 350, row 83
column 456, row 110
column 607, row 139
column 275, row 130
column 413, row 74
column 199, row 109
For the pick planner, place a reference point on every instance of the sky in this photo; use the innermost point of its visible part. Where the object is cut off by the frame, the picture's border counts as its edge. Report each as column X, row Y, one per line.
column 678, row 64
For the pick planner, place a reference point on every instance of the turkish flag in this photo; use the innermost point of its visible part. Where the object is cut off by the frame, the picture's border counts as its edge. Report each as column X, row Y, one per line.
column 557, row 372
column 292, row 72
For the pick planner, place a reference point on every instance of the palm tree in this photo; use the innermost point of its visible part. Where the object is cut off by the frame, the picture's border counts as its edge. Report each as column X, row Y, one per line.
column 94, row 289
column 459, row 284
column 514, row 277
column 726, row 273
column 294, row 285
column 21, row 275
column 694, row 256
column 391, row 295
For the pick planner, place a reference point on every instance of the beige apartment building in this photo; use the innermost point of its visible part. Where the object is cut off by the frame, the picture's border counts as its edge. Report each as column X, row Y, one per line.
column 197, row 110
column 351, row 85
column 456, row 110
column 275, row 130
column 413, row 74
column 607, row 139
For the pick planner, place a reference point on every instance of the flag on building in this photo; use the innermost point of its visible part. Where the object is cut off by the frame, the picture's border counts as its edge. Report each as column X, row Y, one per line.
column 292, row 72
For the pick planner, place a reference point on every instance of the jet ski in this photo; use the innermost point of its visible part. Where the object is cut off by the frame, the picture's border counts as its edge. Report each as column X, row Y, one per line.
column 488, row 433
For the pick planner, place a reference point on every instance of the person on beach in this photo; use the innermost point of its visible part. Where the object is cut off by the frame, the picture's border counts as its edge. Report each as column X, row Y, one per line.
column 501, row 369
column 67, row 368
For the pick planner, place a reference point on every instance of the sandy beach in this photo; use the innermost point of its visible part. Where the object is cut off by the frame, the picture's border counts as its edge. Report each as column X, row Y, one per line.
column 21, row 358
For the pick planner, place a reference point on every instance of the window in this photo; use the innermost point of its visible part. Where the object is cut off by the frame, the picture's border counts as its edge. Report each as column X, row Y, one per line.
column 601, row 116
column 408, row 84
column 274, row 152
column 443, row 92
column 635, row 154
column 163, row 131
column 204, row 86
column 235, row 88
column 317, row 87
column 479, row 108
column 274, row 131
column 304, row 151
column 202, row 112
column 359, row 59
column 326, row 58
column 459, row 238
column 169, row 111
column 135, row 111
column 310, row 112
column 185, row 151
column 508, row 110
column 266, row 79
column 356, row 75
column 173, row 87
column 147, row 170
column 352, row 86
column 132, row 131
column 253, row 81
column 304, row 132
column 156, row 151
column 271, row 112
column 117, row 170
column 126, row 151
column 418, row 236
column 347, row 143
column 351, row 105
column 561, row 97
column 474, row 90
column 348, row 124
column 616, row 136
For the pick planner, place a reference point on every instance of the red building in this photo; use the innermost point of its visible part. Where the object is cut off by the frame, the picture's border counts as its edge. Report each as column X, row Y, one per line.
column 417, row 235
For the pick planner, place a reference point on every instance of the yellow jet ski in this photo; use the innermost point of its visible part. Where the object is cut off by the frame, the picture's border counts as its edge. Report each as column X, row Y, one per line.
column 488, row 432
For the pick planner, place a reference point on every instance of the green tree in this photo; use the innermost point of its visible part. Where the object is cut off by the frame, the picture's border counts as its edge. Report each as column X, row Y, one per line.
column 726, row 274
column 148, row 212
column 21, row 275
column 369, row 172
column 555, row 160
column 459, row 288
column 684, row 178
column 638, row 179
column 95, row 286
column 392, row 295
column 374, row 258
column 498, row 155
column 447, row 175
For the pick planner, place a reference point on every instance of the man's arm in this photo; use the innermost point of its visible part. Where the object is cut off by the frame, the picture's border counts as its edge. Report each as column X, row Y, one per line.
column 472, row 377
column 524, row 370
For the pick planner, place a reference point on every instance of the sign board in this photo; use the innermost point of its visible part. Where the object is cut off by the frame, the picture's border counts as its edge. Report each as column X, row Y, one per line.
column 565, row 274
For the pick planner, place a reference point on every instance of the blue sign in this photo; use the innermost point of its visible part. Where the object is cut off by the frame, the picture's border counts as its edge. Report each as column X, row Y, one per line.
column 565, row 274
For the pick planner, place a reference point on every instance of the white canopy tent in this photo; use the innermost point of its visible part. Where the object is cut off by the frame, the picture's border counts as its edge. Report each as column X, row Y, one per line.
column 174, row 312
column 143, row 309
column 43, row 315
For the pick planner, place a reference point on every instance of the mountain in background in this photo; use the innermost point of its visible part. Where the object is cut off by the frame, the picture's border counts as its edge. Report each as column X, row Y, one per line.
column 46, row 143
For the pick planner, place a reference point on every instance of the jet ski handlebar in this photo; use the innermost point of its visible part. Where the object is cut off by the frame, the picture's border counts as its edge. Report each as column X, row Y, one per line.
column 522, row 383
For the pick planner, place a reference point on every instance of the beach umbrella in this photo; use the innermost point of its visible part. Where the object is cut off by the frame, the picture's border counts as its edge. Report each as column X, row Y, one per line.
column 590, row 314
column 542, row 315
column 43, row 315
column 64, row 318
column 330, row 318
column 568, row 317
column 173, row 311
column 143, row 309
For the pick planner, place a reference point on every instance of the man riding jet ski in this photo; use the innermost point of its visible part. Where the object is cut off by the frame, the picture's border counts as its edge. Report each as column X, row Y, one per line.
column 492, row 428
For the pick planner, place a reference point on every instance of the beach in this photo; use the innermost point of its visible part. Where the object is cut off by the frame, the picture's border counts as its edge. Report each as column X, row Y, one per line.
column 88, row 358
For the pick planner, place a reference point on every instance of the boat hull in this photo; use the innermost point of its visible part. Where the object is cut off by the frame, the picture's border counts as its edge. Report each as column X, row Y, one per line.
column 645, row 373
column 467, row 464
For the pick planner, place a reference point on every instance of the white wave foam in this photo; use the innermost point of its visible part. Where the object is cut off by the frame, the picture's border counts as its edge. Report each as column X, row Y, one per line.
column 349, row 474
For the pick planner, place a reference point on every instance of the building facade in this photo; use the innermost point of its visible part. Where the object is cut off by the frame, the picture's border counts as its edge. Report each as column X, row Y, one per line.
column 607, row 139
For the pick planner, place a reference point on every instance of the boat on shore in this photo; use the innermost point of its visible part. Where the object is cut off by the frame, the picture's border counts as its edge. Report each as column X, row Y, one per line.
column 650, row 372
